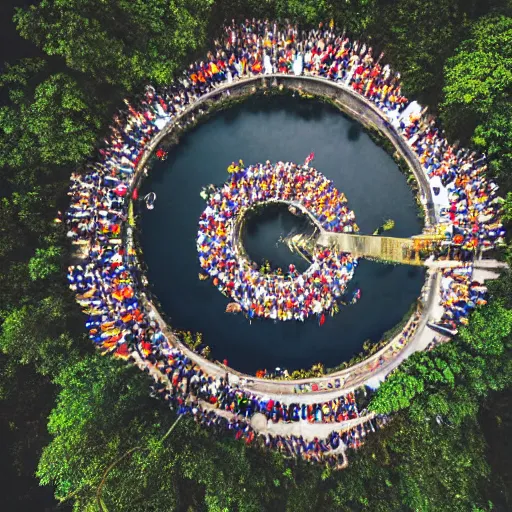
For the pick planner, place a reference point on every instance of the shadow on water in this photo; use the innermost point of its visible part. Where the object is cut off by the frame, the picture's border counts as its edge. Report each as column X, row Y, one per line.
column 354, row 132
column 302, row 109
column 383, row 269
column 276, row 129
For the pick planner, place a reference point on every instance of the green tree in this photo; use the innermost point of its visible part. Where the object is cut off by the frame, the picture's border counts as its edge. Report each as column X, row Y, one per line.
column 96, row 419
column 489, row 330
column 26, row 399
column 480, row 72
column 495, row 417
column 415, row 466
column 507, row 208
column 308, row 12
column 103, row 410
column 396, row 392
column 53, row 122
column 478, row 82
column 119, row 42
column 45, row 263
column 36, row 334
column 416, row 38
column 492, row 137
column 469, row 367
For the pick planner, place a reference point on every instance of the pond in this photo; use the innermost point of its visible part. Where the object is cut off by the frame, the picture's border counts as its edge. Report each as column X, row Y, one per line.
column 263, row 233
column 280, row 128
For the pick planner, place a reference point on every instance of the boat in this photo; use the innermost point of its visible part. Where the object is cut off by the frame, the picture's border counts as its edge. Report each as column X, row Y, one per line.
column 309, row 159
column 161, row 154
column 356, row 296
column 150, row 200
column 233, row 307
column 202, row 277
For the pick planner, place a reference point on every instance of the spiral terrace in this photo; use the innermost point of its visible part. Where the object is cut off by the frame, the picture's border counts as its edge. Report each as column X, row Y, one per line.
column 290, row 296
column 123, row 322
column 387, row 292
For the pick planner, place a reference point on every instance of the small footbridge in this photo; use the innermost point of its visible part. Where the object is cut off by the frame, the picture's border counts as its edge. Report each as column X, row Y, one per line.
column 416, row 250
column 409, row 251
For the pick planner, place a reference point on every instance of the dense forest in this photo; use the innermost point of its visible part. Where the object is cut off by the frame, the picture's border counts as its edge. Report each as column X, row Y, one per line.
column 66, row 413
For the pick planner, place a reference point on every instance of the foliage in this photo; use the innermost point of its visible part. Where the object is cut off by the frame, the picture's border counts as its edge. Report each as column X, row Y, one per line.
column 354, row 16
column 96, row 418
column 44, row 263
column 480, row 72
column 54, row 111
column 416, row 38
column 55, row 120
column 492, row 136
column 386, row 226
column 309, row 12
column 192, row 340
column 49, row 121
column 489, row 329
column 25, row 403
column 389, row 472
column 316, row 370
column 36, row 334
column 478, row 83
column 120, row 41
column 495, row 417
column 450, row 379
column 103, row 410
column 389, row 224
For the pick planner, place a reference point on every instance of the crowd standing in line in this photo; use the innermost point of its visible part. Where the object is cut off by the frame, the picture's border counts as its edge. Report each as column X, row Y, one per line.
column 293, row 296
column 108, row 282
column 471, row 215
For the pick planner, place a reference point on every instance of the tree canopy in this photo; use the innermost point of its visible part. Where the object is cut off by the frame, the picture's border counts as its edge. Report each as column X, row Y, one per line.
column 54, row 110
column 478, row 92
column 121, row 41
column 52, row 121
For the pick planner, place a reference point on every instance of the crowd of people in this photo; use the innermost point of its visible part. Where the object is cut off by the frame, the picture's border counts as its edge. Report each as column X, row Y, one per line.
column 263, row 47
column 188, row 390
column 108, row 282
column 471, row 214
column 292, row 296
column 184, row 378
column 459, row 295
column 473, row 211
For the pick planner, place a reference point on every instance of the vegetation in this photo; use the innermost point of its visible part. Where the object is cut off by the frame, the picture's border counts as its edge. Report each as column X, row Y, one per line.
column 118, row 42
column 444, row 448
column 477, row 97
column 386, row 226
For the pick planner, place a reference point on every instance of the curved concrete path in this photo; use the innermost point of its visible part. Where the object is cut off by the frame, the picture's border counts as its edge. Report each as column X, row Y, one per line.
column 356, row 375
column 373, row 369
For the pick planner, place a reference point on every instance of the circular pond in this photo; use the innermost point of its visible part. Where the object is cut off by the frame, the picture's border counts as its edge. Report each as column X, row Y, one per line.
column 278, row 129
column 262, row 236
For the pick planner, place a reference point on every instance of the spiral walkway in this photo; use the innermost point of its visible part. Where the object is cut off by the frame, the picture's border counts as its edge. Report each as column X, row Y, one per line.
column 376, row 367
column 130, row 164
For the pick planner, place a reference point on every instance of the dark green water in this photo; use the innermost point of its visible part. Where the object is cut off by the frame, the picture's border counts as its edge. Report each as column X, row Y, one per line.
column 262, row 232
column 276, row 129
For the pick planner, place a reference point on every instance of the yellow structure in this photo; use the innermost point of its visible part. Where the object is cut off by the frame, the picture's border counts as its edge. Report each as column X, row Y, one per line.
column 408, row 251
